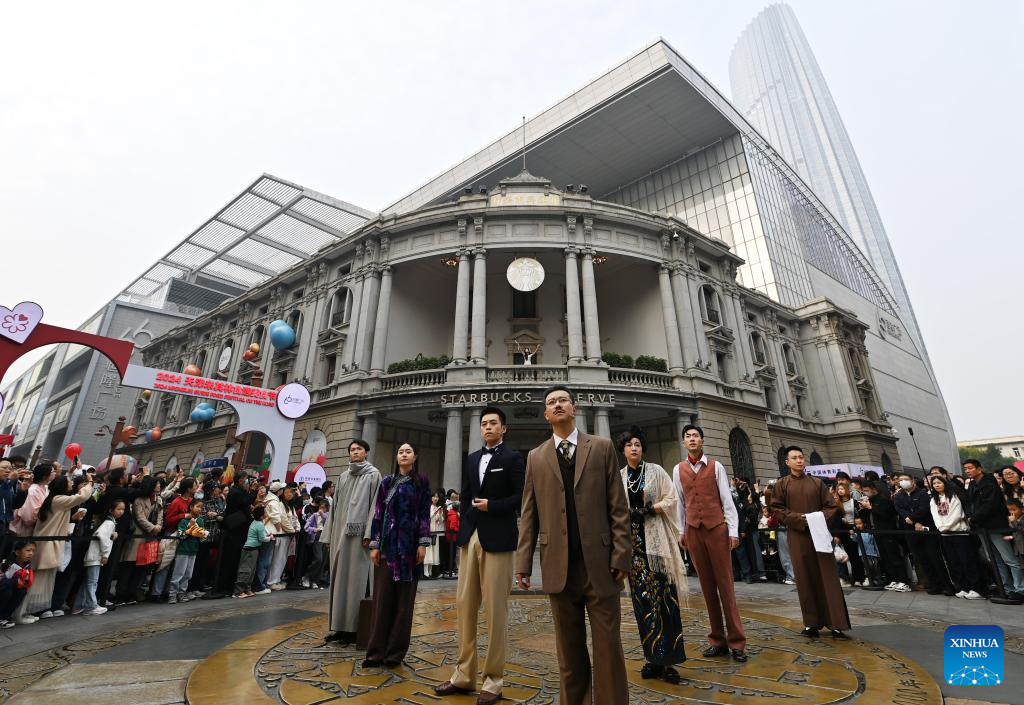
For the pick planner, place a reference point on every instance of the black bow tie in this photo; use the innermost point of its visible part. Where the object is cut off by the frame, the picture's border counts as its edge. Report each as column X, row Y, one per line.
column 491, row 451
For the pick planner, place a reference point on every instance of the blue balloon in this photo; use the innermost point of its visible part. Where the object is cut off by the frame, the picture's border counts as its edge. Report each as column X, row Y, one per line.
column 149, row 436
column 282, row 337
column 277, row 324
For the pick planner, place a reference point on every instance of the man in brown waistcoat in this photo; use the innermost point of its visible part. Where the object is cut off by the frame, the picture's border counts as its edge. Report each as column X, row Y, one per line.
column 709, row 529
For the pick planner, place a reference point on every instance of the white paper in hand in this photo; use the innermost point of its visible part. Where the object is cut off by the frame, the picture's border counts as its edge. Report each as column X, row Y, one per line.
column 820, row 534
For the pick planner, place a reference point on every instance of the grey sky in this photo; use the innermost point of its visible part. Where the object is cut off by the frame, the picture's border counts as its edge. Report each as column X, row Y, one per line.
column 124, row 126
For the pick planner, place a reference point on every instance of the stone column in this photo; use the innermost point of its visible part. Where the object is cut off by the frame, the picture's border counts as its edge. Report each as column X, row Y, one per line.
column 453, row 450
column 478, row 353
column 668, row 312
column 684, row 317
column 459, row 344
column 698, row 322
column 367, row 316
column 581, row 420
column 601, row 426
column 572, row 312
column 681, row 420
column 733, row 362
column 475, row 441
column 380, row 329
column 369, row 433
column 592, row 326
column 353, row 323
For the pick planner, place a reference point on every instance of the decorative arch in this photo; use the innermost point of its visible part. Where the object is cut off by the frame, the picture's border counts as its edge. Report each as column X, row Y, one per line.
column 781, row 457
column 887, row 463
column 816, row 459
column 742, row 455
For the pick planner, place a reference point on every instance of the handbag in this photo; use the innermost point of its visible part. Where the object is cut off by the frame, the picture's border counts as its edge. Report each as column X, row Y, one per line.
column 147, row 553
column 840, row 553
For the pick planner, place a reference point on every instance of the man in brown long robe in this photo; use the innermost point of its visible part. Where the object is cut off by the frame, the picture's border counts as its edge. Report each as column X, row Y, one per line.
column 817, row 579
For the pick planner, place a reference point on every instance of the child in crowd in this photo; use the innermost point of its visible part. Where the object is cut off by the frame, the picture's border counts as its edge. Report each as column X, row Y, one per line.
column 314, row 529
column 15, row 579
column 1016, row 510
column 250, row 552
column 191, row 531
column 95, row 558
column 868, row 550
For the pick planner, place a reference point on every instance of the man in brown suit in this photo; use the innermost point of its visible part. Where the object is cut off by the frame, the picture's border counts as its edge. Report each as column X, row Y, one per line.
column 575, row 507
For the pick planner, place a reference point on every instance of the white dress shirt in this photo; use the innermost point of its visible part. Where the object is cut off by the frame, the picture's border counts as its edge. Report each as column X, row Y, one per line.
column 573, row 438
column 732, row 517
column 485, row 460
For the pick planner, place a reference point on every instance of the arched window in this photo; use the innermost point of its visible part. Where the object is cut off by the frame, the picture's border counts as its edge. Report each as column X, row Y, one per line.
column 816, row 459
column 295, row 320
column 340, row 311
column 887, row 463
column 758, row 349
column 741, row 455
column 709, row 308
column 783, row 470
column 201, row 362
column 257, row 335
column 790, row 359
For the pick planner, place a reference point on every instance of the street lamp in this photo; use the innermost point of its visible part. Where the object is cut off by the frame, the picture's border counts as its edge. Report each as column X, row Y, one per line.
column 115, row 437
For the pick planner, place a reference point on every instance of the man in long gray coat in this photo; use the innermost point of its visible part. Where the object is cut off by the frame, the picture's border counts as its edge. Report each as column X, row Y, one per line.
column 348, row 533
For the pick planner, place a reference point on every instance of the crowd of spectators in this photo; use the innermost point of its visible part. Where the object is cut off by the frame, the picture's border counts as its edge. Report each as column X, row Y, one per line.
column 72, row 542
column 957, row 535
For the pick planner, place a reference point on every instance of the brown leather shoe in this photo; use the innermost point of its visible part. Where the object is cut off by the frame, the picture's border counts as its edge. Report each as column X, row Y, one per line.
column 486, row 698
column 449, row 688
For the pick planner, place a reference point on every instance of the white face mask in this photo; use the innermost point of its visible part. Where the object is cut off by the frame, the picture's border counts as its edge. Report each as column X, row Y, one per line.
column 906, row 484
column 199, row 495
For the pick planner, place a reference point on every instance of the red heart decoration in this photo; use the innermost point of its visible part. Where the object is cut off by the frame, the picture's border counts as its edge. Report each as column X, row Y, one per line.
column 22, row 317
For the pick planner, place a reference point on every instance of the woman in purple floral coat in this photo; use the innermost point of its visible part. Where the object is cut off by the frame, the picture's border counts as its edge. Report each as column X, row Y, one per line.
column 399, row 536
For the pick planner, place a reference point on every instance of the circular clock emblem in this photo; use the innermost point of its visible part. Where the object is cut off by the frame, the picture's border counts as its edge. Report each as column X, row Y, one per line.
column 225, row 359
column 525, row 274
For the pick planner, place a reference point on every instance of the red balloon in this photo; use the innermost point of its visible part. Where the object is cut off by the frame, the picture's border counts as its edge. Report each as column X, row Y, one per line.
column 321, row 460
column 155, row 433
column 248, row 355
column 128, row 434
column 73, row 450
column 193, row 370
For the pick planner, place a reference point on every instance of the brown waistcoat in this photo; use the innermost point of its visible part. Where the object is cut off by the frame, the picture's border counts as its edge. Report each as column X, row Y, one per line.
column 700, row 495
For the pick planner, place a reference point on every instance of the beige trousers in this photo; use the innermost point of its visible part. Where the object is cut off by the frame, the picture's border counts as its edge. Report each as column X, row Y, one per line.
column 483, row 578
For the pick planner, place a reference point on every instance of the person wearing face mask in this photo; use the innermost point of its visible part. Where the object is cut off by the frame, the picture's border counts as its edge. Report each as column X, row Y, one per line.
column 915, row 517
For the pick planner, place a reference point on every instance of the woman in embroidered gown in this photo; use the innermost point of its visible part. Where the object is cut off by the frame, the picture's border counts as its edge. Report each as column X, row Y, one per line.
column 399, row 536
column 657, row 576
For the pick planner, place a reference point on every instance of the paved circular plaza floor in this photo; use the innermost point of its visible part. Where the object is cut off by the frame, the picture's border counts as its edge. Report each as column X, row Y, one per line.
column 272, row 650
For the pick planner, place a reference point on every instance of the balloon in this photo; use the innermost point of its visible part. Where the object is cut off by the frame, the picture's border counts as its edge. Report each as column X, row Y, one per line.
column 128, row 434
column 73, row 450
column 277, row 324
column 254, row 348
column 149, row 436
column 282, row 337
column 249, row 355
column 156, row 432
column 146, row 394
column 193, row 370
column 321, row 460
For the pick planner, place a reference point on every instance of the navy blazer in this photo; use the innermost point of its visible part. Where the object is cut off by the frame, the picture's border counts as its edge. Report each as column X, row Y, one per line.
column 503, row 489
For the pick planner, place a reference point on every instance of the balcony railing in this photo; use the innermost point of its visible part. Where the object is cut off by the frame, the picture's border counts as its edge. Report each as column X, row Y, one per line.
column 640, row 378
column 527, row 373
column 413, row 380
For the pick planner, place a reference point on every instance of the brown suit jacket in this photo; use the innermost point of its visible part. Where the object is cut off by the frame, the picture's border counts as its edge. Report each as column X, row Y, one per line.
column 602, row 512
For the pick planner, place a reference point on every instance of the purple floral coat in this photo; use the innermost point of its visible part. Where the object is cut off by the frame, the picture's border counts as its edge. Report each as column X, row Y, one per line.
column 401, row 523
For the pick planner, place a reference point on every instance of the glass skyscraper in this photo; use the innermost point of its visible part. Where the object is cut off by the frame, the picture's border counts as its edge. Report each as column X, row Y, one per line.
column 778, row 86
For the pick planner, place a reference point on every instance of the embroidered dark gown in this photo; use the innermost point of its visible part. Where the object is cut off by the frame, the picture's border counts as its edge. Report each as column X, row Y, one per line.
column 655, row 601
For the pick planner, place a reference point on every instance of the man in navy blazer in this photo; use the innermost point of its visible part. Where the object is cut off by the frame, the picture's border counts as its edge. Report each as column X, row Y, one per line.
column 492, row 491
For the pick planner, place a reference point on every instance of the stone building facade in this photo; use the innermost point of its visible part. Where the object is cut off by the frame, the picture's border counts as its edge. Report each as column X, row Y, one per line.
column 432, row 284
